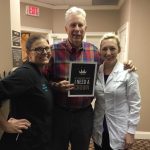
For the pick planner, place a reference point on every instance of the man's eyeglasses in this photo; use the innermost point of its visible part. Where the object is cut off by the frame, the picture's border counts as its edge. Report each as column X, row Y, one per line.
column 40, row 50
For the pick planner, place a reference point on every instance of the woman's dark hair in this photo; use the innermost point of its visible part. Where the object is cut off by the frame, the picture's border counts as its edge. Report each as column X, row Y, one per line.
column 33, row 38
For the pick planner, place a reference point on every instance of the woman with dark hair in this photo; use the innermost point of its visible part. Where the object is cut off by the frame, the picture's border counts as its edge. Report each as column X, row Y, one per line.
column 31, row 101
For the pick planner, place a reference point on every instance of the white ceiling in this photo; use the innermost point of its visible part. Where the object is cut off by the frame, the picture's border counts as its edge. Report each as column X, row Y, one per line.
column 86, row 4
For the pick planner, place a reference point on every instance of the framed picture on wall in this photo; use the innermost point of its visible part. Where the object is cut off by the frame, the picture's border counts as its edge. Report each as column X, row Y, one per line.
column 15, row 38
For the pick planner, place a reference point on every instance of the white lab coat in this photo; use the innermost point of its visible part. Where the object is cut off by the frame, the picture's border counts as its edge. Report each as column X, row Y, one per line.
column 119, row 100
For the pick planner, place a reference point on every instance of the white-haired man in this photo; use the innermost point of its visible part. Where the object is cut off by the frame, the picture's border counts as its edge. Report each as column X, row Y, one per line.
column 73, row 116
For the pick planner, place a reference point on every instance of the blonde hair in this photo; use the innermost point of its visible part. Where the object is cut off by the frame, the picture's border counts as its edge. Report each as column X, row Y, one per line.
column 111, row 36
column 75, row 11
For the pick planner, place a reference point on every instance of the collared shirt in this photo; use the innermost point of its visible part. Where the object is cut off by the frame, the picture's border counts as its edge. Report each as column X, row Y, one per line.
column 62, row 54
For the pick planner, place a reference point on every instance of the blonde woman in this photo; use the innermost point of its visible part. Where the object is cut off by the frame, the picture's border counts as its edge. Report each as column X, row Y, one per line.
column 117, row 106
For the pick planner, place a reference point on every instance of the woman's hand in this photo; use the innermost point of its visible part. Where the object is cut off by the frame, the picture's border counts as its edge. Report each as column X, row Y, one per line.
column 129, row 139
column 15, row 125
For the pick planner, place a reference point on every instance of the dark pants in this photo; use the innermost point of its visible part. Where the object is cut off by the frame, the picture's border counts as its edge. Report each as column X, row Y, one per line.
column 74, row 127
column 8, row 142
column 105, row 139
column 105, row 143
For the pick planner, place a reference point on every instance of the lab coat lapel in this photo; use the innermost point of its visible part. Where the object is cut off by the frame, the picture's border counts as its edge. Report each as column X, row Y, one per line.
column 101, row 76
column 114, row 73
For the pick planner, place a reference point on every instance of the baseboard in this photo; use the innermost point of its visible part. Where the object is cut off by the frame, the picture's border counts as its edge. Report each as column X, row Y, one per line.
column 142, row 135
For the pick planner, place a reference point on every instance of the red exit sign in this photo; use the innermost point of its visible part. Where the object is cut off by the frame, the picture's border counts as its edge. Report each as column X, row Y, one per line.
column 32, row 10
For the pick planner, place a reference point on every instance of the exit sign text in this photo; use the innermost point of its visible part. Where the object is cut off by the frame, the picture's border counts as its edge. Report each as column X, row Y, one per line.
column 32, row 10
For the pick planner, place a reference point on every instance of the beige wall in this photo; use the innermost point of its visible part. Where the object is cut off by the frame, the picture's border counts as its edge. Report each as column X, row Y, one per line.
column 5, row 36
column 108, row 21
column 58, row 21
column 44, row 21
column 98, row 21
column 139, row 52
column 54, row 19
column 10, row 20
column 124, row 12
column 136, row 12
column 103, row 20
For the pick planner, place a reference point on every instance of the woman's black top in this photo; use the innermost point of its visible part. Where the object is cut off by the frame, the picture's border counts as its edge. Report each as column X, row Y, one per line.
column 31, row 99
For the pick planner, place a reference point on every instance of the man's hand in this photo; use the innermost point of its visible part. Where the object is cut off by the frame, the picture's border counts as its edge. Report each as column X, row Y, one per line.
column 129, row 65
column 65, row 85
